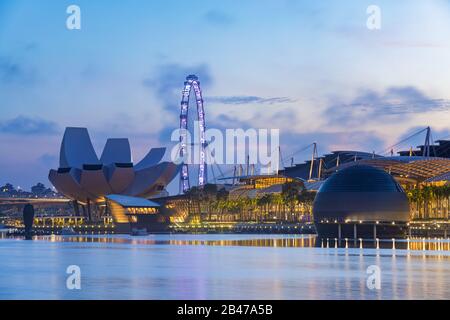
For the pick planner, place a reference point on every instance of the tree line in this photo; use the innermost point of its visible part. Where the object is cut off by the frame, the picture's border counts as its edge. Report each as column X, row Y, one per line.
column 430, row 202
column 211, row 203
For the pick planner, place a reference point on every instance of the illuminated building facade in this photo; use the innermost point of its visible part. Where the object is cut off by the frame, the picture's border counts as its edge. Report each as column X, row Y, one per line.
column 264, row 198
column 131, row 213
column 361, row 201
column 87, row 179
column 424, row 179
column 256, row 198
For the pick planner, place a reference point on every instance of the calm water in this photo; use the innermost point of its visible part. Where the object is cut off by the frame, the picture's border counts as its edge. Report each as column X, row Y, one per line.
column 216, row 267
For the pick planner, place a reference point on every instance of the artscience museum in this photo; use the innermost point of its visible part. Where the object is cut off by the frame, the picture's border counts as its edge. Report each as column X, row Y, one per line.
column 88, row 179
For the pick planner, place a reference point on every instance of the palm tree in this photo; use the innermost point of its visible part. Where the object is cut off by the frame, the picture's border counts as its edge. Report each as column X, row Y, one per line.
column 446, row 193
column 194, row 195
column 414, row 199
column 209, row 196
column 429, row 201
column 290, row 192
column 307, row 199
column 221, row 199
column 262, row 203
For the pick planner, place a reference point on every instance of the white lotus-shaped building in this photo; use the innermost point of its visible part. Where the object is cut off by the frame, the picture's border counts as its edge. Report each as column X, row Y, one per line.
column 83, row 177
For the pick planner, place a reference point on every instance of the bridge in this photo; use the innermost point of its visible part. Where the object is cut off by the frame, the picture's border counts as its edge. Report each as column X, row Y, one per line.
column 44, row 201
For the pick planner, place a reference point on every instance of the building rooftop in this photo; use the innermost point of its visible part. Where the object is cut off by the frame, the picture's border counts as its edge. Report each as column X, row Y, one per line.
column 415, row 167
column 127, row 201
column 442, row 177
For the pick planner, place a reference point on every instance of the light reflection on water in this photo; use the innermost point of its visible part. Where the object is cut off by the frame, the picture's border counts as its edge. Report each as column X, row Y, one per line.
column 284, row 242
column 219, row 267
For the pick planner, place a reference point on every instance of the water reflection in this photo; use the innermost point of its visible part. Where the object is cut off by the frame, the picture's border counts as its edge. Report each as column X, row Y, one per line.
column 289, row 242
column 222, row 267
column 302, row 241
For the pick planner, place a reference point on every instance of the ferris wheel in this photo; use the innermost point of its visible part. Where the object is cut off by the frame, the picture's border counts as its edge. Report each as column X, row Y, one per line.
column 192, row 82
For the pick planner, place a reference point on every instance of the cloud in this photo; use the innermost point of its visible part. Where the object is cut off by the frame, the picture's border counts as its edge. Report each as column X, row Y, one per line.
column 14, row 72
column 24, row 125
column 165, row 134
column 294, row 144
column 167, row 83
column 218, row 18
column 168, row 80
column 405, row 44
column 390, row 105
column 237, row 100
column 49, row 160
column 220, row 122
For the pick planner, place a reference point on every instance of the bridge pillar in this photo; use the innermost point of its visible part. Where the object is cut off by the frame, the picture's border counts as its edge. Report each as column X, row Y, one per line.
column 89, row 209
column 374, row 232
column 76, row 208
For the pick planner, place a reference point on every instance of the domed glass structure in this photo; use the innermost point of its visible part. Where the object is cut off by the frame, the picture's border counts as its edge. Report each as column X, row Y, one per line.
column 364, row 198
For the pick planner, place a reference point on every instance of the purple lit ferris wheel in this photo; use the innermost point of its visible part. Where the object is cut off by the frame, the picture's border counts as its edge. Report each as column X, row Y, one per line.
column 192, row 82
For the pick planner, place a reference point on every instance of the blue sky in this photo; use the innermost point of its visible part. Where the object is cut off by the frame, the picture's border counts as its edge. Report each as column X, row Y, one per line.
column 310, row 68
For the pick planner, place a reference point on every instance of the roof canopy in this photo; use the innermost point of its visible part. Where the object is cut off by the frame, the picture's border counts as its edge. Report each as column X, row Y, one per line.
column 417, row 168
column 132, row 202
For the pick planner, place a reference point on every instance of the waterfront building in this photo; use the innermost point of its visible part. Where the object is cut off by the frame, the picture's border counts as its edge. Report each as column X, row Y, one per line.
column 255, row 186
column 260, row 198
column 425, row 180
column 132, row 213
column 316, row 169
column 441, row 150
column 89, row 183
column 87, row 179
column 252, row 199
column 361, row 201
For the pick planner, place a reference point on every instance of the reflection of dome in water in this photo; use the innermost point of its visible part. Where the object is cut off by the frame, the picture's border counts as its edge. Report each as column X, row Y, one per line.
column 361, row 194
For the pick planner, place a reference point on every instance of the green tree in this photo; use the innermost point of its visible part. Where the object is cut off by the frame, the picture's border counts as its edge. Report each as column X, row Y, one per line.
column 290, row 192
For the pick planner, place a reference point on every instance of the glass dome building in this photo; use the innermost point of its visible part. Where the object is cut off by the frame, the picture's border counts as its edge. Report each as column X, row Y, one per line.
column 361, row 202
